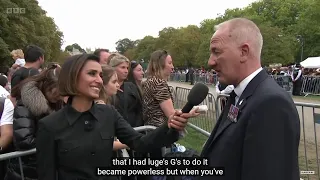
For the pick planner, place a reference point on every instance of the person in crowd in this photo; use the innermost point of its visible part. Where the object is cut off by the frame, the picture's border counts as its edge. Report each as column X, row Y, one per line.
column 259, row 130
column 6, row 121
column 34, row 57
column 4, row 87
column 77, row 139
column 103, row 54
column 187, row 74
column 296, row 77
column 110, row 88
column 38, row 97
column 111, row 56
column 136, row 75
column 18, row 57
column 191, row 75
column 157, row 98
column 127, row 100
column 4, row 70
column 110, row 84
column 223, row 89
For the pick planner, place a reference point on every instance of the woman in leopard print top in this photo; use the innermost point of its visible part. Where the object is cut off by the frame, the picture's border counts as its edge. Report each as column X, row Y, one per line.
column 157, row 98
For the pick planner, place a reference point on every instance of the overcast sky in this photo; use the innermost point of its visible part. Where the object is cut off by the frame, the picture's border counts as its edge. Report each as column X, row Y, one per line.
column 101, row 23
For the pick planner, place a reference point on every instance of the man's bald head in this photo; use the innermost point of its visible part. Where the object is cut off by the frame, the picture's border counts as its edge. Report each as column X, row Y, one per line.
column 235, row 50
column 242, row 30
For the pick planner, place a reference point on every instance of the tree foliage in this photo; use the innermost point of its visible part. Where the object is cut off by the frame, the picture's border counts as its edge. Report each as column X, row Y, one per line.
column 280, row 22
column 28, row 26
column 76, row 46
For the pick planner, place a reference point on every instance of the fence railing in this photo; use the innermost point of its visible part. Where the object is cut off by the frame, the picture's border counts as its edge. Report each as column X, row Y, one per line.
column 309, row 141
column 310, row 84
column 310, row 126
column 19, row 154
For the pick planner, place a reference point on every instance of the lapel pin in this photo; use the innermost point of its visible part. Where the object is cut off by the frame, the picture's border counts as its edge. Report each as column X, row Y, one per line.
column 240, row 102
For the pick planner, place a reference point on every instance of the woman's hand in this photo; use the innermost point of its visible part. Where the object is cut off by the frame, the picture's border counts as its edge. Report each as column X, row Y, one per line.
column 179, row 120
column 193, row 113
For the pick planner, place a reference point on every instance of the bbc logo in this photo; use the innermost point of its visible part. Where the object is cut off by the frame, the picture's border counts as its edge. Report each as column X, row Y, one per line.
column 16, row 10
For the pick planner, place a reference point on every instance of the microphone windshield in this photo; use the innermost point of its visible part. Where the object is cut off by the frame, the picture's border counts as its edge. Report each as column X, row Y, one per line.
column 197, row 94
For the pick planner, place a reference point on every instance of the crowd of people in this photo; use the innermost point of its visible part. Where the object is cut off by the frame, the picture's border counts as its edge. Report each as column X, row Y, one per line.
column 28, row 120
column 78, row 114
column 284, row 76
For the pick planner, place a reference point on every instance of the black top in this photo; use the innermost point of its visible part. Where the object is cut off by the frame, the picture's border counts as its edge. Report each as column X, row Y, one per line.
column 129, row 104
column 74, row 144
column 21, row 74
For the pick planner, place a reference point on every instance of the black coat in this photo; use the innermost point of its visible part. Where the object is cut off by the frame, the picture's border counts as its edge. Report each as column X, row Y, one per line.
column 68, row 150
column 263, row 143
column 29, row 109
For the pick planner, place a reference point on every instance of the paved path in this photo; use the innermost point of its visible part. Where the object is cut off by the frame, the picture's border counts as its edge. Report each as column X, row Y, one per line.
column 306, row 113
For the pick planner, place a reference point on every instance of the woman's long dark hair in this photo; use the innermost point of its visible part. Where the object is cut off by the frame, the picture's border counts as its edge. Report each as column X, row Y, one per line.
column 45, row 82
column 131, row 78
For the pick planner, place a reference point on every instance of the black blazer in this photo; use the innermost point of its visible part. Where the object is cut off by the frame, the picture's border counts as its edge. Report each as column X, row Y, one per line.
column 129, row 104
column 263, row 143
column 65, row 146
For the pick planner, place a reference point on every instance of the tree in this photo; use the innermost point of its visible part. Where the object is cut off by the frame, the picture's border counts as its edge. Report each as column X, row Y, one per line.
column 29, row 26
column 70, row 48
column 124, row 44
column 280, row 23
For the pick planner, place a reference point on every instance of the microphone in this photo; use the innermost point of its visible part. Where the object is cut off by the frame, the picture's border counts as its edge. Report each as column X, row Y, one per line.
column 196, row 95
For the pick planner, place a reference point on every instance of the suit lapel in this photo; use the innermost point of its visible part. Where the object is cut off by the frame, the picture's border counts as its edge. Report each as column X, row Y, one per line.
column 251, row 87
column 217, row 127
column 223, row 123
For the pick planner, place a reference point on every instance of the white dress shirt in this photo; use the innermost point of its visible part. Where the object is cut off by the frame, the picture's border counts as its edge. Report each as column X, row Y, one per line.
column 243, row 84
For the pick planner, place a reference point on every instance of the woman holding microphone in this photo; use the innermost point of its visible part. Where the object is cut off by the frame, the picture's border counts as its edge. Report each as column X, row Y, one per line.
column 74, row 141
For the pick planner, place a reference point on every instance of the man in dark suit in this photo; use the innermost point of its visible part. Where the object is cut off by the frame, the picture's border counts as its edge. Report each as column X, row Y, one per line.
column 257, row 135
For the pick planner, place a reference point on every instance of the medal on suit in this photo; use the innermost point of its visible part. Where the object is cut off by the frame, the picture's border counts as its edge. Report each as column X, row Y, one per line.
column 233, row 113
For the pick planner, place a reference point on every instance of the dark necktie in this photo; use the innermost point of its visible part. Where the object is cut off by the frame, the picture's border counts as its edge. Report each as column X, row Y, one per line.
column 231, row 100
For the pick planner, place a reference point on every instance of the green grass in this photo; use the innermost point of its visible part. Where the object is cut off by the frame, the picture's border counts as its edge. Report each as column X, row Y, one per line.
column 193, row 140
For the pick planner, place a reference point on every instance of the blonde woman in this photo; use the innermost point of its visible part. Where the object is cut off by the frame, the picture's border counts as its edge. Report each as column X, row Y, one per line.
column 127, row 100
column 157, row 98
column 18, row 56
column 111, row 85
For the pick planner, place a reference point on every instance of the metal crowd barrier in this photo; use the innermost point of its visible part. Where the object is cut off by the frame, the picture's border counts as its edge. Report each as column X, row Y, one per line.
column 310, row 126
column 19, row 154
column 310, row 85
column 206, row 121
column 284, row 81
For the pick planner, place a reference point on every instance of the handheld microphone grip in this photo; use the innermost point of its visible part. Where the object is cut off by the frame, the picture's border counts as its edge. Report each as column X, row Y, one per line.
column 187, row 108
column 196, row 95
